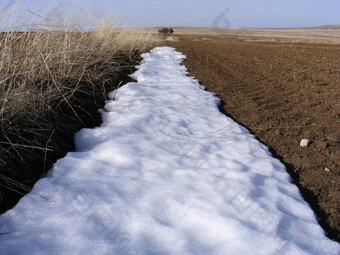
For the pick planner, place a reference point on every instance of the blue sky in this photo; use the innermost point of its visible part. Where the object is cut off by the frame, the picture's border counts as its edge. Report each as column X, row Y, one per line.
column 222, row 13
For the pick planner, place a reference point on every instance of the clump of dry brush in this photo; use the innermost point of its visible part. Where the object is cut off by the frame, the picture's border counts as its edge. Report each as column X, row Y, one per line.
column 52, row 81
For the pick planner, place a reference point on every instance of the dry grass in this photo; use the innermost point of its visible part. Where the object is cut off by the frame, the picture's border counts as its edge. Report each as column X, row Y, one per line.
column 36, row 67
column 50, row 83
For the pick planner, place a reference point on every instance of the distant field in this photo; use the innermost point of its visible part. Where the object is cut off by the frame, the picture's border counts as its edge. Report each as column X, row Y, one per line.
column 303, row 35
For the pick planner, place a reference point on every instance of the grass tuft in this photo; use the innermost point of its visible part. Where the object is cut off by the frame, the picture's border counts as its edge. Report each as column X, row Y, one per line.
column 53, row 78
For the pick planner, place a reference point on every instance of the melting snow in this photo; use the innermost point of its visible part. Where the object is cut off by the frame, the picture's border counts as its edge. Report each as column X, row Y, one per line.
column 166, row 173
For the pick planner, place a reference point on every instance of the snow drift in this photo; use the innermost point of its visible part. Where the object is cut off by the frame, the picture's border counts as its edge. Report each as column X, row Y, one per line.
column 166, row 173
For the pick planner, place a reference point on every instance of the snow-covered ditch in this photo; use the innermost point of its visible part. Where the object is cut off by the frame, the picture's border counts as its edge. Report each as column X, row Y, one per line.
column 166, row 173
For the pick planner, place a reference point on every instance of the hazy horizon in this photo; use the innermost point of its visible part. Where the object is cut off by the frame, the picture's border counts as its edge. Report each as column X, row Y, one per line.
column 189, row 13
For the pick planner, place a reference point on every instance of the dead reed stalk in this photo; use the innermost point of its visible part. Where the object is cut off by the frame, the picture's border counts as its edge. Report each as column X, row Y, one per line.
column 51, row 80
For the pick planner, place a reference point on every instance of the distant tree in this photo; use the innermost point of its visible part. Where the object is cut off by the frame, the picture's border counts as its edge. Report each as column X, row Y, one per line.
column 165, row 31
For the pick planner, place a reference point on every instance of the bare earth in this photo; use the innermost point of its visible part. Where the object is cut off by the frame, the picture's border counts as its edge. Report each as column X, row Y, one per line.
column 282, row 92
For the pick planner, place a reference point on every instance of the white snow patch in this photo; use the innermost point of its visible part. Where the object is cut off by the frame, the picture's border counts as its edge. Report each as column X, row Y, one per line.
column 166, row 173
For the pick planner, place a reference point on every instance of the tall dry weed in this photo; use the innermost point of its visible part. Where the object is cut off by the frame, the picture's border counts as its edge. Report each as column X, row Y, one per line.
column 51, row 77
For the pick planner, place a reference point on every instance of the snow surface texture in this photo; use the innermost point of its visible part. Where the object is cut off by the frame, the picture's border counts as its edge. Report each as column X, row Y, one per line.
column 166, row 173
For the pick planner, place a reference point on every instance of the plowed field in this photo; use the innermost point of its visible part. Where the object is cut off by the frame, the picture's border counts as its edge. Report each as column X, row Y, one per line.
column 282, row 92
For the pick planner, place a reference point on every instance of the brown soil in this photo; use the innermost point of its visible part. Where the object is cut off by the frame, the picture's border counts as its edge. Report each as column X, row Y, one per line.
column 282, row 93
